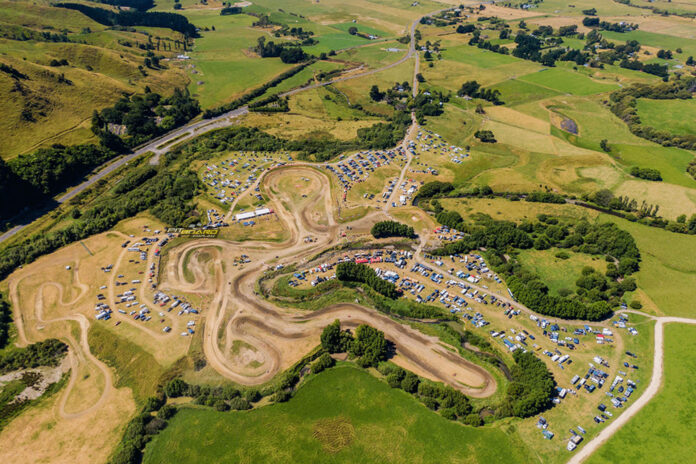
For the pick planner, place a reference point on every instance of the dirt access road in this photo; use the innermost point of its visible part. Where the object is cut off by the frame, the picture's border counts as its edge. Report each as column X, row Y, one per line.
column 652, row 390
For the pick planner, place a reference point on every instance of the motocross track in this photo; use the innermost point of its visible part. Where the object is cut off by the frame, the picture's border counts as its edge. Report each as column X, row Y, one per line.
column 276, row 338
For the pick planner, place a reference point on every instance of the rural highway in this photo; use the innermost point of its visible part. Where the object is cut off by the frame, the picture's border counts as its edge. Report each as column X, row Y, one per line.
column 164, row 143
column 652, row 390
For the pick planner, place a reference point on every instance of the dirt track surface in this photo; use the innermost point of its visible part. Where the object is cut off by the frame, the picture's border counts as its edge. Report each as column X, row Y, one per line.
column 277, row 337
column 79, row 351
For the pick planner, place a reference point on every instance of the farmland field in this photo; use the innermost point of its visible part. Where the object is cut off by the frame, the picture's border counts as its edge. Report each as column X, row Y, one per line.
column 380, row 424
column 222, row 53
column 566, row 81
column 675, row 116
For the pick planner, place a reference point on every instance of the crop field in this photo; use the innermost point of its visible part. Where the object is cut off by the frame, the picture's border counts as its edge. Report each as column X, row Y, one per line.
column 667, row 419
column 342, row 415
column 675, row 116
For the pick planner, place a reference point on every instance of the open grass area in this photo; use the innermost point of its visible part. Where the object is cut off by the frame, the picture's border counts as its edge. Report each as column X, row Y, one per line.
column 135, row 367
column 342, row 415
column 559, row 273
column 675, row 116
column 654, row 433
column 221, row 59
column 567, row 81
column 668, row 269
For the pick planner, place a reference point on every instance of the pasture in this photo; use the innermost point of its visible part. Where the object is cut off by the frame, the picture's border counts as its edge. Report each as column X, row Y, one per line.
column 667, row 276
column 675, row 116
column 567, row 81
column 341, row 415
column 221, row 61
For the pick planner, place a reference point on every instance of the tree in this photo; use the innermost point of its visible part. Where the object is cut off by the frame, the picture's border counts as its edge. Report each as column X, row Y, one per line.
column 176, row 388
column 485, row 136
column 420, row 78
column 375, row 94
column 410, row 382
column 333, row 339
column 604, row 145
column 465, row 28
column 369, row 346
column 352, row 30
column 324, row 362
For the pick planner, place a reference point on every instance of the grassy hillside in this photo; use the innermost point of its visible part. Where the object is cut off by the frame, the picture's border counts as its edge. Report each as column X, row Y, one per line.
column 342, row 415
column 52, row 102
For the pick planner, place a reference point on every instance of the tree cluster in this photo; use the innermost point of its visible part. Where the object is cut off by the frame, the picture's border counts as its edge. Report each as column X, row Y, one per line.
column 5, row 321
column 545, row 197
column 35, row 177
column 44, row 353
column 353, row 272
column 384, row 229
column 434, row 189
column 287, row 52
column 369, row 345
column 485, row 136
column 646, row 173
column 532, row 386
column 474, row 90
column 173, row 21
column 145, row 116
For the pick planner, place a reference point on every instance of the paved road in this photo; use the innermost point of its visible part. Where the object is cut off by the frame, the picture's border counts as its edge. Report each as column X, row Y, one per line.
column 160, row 145
column 655, row 383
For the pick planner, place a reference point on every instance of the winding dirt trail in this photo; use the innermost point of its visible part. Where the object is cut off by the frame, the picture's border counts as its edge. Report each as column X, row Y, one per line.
column 79, row 351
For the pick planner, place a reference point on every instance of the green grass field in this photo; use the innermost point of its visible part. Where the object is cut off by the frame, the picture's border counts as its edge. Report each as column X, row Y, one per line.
column 342, row 415
column 559, row 273
column 567, row 81
column 655, row 40
column 668, row 268
column 221, row 59
column 656, row 433
column 675, row 116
